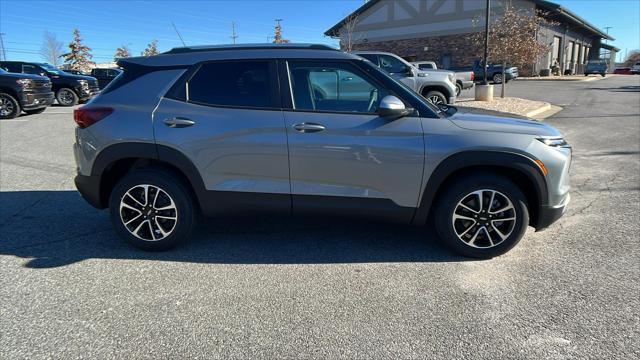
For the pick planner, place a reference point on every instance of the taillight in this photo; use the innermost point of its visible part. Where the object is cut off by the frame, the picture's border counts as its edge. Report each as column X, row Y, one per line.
column 86, row 116
column 473, row 76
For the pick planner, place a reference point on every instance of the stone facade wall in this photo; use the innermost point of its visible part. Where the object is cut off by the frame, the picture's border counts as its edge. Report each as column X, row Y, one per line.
column 460, row 48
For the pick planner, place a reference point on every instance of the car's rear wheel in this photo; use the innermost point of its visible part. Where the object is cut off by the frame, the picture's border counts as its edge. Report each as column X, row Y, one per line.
column 482, row 216
column 497, row 78
column 9, row 107
column 35, row 111
column 436, row 98
column 458, row 89
column 66, row 97
column 152, row 210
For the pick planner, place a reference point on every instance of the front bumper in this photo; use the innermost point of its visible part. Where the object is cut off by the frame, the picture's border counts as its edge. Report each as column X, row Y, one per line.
column 36, row 100
column 550, row 214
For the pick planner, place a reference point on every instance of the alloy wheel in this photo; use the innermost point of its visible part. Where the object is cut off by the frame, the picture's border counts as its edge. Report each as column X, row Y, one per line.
column 484, row 218
column 435, row 100
column 148, row 212
column 66, row 97
column 6, row 105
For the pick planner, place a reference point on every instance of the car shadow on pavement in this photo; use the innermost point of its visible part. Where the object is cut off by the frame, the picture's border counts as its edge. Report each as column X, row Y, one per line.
column 631, row 88
column 57, row 228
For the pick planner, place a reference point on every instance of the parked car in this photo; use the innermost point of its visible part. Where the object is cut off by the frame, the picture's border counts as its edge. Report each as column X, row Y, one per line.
column 596, row 67
column 105, row 76
column 623, row 71
column 494, row 72
column 464, row 79
column 193, row 132
column 22, row 92
column 436, row 86
column 69, row 89
column 636, row 68
column 74, row 72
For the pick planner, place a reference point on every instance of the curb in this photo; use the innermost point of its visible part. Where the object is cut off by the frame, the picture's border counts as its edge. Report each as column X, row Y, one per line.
column 586, row 78
column 539, row 110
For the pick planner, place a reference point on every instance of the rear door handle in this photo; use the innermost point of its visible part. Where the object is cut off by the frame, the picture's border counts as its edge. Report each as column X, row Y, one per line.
column 308, row 127
column 178, row 122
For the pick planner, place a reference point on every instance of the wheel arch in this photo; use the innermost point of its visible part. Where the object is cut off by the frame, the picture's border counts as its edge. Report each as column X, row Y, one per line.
column 522, row 170
column 441, row 88
column 115, row 161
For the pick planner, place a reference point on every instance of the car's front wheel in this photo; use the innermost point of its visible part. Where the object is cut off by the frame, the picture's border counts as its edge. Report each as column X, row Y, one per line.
column 481, row 216
column 152, row 210
column 9, row 107
column 67, row 97
column 436, row 98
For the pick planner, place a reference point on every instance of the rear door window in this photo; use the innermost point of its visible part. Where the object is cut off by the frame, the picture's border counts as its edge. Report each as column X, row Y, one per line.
column 31, row 69
column 235, row 84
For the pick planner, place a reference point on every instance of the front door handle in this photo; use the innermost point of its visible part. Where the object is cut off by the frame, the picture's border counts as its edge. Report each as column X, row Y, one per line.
column 308, row 127
column 178, row 122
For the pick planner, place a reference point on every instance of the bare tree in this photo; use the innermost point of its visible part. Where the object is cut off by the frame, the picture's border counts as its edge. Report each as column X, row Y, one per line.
column 513, row 39
column 51, row 49
column 632, row 58
column 122, row 52
column 347, row 35
column 152, row 49
column 79, row 55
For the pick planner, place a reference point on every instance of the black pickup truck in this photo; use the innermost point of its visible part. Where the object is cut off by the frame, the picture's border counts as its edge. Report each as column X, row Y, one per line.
column 105, row 76
column 494, row 72
column 69, row 89
column 22, row 92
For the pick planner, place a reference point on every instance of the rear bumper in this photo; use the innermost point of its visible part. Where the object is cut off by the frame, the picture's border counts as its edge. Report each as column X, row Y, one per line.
column 467, row 84
column 89, row 188
column 550, row 214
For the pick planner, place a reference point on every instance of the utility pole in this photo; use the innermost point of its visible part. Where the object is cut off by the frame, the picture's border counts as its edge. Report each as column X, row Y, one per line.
column 234, row 36
column 4, row 55
column 176, row 29
column 486, row 43
column 606, row 28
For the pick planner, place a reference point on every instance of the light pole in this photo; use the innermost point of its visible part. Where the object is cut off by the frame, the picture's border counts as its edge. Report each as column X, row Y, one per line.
column 486, row 43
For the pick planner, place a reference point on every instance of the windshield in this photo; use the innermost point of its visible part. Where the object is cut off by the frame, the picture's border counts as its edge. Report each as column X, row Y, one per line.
column 50, row 68
column 2, row 71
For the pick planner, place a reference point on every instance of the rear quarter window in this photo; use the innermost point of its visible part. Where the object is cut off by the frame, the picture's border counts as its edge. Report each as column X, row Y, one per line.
column 234, row 84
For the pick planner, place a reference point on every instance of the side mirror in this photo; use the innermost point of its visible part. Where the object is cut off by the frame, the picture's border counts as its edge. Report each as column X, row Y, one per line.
column 392, row 107
column 408, row 71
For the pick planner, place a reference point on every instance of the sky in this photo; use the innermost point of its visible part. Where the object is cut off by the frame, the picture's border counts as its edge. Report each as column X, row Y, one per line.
column 105, row 25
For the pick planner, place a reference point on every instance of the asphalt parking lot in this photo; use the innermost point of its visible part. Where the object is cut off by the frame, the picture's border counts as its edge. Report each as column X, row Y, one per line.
column 274, row 288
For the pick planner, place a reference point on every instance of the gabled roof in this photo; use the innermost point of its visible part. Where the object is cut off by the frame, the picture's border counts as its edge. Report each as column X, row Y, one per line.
column 563, row 14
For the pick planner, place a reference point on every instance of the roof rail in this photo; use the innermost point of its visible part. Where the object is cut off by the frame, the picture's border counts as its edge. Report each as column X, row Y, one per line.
column 201, row 48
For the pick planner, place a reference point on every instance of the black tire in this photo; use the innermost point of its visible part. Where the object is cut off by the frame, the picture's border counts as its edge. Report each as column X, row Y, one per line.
column 35, row 111
column 448, row 201
column 9, row 106
column 185, row 212
column 67, row 97
column 432, row 95
column 497, row 78
column 603, row 75
column 458, row 89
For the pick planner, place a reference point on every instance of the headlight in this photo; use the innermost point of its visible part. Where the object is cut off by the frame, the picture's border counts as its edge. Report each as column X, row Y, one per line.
column 84, row 84
column 452, row 77
column 25, row 83
column 553, row 141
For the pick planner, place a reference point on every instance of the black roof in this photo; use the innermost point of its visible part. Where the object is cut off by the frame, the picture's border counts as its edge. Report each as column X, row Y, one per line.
column 199, row 48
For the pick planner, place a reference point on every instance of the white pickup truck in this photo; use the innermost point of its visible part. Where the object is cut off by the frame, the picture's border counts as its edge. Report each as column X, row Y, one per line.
column 464, row 79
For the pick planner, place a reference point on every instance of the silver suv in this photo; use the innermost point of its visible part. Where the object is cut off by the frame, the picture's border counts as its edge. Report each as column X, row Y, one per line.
column 307, row 129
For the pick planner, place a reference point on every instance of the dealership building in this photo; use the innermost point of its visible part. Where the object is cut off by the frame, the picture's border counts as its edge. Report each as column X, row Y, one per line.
column 438, row 30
